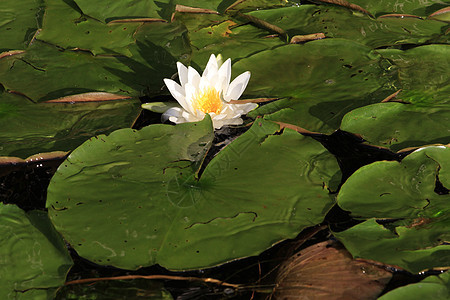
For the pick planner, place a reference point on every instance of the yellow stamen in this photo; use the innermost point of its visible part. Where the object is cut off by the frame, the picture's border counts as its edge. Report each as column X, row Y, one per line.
column 208, row 101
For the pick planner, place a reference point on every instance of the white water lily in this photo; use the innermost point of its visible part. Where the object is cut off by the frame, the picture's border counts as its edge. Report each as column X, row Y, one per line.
column 210, row 94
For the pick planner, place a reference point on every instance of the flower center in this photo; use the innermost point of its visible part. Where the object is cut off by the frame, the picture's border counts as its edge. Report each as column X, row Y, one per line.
column 208, row 101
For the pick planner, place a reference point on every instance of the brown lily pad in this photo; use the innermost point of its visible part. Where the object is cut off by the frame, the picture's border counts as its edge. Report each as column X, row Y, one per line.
column 327, row 271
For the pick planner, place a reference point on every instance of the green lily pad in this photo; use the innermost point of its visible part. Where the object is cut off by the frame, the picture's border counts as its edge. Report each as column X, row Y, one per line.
column 232, row 5
column 403, row 191
column 35, row 260
column 114, row 10
column 412, row 248
column 333, row 68
column 423, row 76
column 85, row 33
column 339, row 22
column 29, row 128
column 432, row 287
column 398, row 125
column 422, row 73
column 211, row 33
column 82, row 32
column 153, row 57
column 41, row 73
column 165, row 8
column 414, row 7
column 142, row 200
column 325, row 79
column 19, row 22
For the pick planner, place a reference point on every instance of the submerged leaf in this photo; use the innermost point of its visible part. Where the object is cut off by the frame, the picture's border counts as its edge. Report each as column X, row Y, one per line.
column 116, row 289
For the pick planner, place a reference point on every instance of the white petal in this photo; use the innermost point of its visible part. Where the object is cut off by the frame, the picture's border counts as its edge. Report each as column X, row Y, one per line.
column 205, row 82
column 219, row 59
column 235, row 121
column 174, row 88
column 246, row 107
column 217, row 123
column 177, row 92
column 224, row 76
column 173, row 114
column 211, row 67
column 178, row 115
column 182, row 73
column 227, row 108
column 193, row 77
column 190, row 117
column 191, row 91
column 231, row 110
column 237, row 87
column 199, row 114
column 219, row 116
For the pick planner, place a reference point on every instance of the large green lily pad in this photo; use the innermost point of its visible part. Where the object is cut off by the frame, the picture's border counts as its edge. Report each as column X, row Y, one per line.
column 29, row 128
column 432, row 287
column 34, row 259
column 410, row 193
column 134, row 198
column 325, row 79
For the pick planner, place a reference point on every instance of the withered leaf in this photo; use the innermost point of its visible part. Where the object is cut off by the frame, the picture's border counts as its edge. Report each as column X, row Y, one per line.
column 327, row 271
